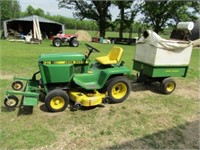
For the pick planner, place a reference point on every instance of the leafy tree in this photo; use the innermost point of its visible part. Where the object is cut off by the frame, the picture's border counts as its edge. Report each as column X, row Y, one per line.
column 39, row 12
column 123, row 19
column 32, row 11
column 9, row 9
column 94, row 10
column 159, row 14
column 72, row 23
column 16, row 9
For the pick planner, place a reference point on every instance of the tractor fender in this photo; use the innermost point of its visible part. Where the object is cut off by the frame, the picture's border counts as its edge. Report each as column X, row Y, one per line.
column 73, row 37
column 63, row 39
column 98, row 79
column 55, row 37
column 113, row 72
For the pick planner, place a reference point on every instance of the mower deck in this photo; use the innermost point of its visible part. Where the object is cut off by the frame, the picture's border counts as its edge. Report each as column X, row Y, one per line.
column 89, row 99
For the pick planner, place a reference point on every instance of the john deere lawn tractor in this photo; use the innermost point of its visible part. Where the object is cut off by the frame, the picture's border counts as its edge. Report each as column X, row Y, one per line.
column 65, row 77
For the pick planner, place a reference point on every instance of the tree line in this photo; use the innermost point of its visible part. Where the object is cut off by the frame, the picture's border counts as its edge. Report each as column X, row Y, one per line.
column 69, row 23
column 95, row 15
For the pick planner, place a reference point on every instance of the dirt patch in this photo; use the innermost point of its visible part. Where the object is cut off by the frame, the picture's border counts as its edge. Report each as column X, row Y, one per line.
column 5, row 76
column 189, row 91
column 83, row 36
column 140, row 90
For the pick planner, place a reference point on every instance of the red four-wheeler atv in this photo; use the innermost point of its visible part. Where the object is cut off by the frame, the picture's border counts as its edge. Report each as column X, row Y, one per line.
column 59, row 39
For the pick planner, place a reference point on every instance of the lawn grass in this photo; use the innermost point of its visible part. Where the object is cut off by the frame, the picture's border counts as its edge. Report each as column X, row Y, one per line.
column 108, row 33
column 147, row 119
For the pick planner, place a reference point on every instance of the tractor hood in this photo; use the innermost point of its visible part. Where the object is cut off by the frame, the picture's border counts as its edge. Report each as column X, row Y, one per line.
column 61, row 57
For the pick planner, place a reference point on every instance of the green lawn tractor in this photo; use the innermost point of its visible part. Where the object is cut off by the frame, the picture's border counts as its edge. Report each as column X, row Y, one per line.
column 71, row 77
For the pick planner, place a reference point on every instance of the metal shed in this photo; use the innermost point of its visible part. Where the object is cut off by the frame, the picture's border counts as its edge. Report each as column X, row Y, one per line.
column 25, row 25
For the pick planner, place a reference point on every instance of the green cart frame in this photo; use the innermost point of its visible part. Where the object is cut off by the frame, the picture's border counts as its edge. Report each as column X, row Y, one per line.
column 161, row 74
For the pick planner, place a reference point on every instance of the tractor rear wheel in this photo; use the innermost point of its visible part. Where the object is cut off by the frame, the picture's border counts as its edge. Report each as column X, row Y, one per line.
column 57, row 42
column 118, row 89
column 168, row 85
column 56, row 100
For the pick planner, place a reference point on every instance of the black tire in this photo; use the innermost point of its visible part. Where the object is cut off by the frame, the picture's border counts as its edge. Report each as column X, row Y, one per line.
column 17, row 85
column 168, row 85
column 118, row 89
column 11, row 101
column 42, row 96
column 74, row 42
column 56, row 100
column 195, row 33
column 57, row 42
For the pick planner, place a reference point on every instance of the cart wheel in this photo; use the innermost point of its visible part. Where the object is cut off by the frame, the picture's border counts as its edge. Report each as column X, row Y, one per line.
column 168, row 85
column 11, row 101
column 56, row 100
column 17, row 85
column 118, row 89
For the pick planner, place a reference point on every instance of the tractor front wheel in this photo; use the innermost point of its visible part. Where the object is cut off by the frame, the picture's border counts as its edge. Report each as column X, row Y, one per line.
column 168, row 85
column 118, row 89
column 57, row 42
column 56, row 100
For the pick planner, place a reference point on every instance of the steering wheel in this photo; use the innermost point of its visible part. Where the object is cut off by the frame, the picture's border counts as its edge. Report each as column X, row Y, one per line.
column 91, row 49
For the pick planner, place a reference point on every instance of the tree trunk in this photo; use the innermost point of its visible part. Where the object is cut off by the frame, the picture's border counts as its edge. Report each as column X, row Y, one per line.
column 157, row 28
column 102, row 26
column 102, row 8
column 121, row 23
column 102, row 31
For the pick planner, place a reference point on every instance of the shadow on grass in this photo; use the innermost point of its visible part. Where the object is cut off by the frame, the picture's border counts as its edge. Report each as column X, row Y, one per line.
column 43, row 108
column 91, row 107
column 63, row 45
column 25, row 110
column 72, row 108
column 22, row 110
column 154, row 87
column 185, row 136
column 6, row 109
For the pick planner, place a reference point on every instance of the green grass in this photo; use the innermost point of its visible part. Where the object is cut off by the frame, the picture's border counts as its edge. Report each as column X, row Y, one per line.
column 108, row 33
column 145, row 120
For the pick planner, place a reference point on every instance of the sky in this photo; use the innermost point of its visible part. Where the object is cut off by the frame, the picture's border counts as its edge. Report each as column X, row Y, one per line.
column 51, row 6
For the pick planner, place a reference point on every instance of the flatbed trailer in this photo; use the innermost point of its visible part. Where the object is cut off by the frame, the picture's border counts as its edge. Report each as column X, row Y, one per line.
column 128, row 41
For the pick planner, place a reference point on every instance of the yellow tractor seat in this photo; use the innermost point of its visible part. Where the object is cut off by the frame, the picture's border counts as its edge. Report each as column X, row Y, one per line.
column 113, row 57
